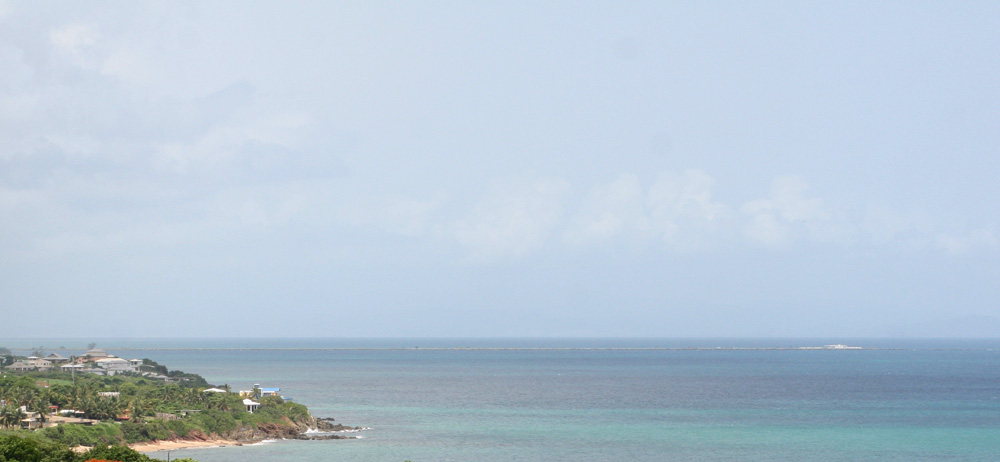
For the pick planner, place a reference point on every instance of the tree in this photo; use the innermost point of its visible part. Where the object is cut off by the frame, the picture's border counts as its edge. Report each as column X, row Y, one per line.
column 219, row 401
column 138, row 408
column 40, row 403
column 170, row 393
column 117, row 453
column 106, row 408
column 83, row 397
column 21, row 391
column 10, row 416
column 15, row 447
column 59, row 395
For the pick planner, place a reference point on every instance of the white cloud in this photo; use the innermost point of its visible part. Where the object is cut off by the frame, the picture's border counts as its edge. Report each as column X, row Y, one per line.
column 16, row 72
column 611, row 210
column 788, row 215
column 682, row 211
column 787, row 201
column 963, row 244
column 677, row 211
column 231, row 141
column 885, row 227
column 131, row 65
column 71, row 38
column 407, row 217
column 261, row 208
column 513, row 218
column 77, row 42
column 916, row 232
column 768, row 229
column 11, row 198
column 75, row 145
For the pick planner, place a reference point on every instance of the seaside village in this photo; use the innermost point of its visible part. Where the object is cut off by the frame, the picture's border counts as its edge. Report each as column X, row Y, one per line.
column 94, row 361
column 97, row 361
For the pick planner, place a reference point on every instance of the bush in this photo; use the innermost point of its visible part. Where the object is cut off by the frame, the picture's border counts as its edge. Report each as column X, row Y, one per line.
column 136, row 432
column 29, row 449
column 179, row 428
column 116, row 453
column 212, row 421
column 133, row 432
column 85, row 435
column 276, row 412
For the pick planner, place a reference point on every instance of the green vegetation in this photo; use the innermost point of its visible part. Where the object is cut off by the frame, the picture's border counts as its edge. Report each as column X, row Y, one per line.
column 85, row 435
column 27, row 447
column 130, row 408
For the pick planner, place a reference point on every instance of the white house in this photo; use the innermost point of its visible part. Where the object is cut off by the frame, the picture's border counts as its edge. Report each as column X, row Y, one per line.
column 114, row 366
column 38, row 363
column 251, row 405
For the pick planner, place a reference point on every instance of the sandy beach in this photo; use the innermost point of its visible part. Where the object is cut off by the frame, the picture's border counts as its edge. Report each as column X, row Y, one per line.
column 181, row 444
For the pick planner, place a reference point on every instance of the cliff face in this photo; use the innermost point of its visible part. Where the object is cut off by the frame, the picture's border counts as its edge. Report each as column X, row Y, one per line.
column 264, row 431
column 289, row 429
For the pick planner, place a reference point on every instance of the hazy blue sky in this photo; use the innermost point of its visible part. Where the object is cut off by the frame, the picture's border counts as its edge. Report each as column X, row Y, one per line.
column 499, row 168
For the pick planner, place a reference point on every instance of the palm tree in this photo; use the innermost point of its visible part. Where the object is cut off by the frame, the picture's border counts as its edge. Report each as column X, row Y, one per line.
column 10, row 416
column 138, row 408
column 170, row 392
column 83, row 398
column 59, row 395
column 219, row 401
column 107, row 408
column 196, row 396
column 22, row 394
column 40, row 404
column 5, row 412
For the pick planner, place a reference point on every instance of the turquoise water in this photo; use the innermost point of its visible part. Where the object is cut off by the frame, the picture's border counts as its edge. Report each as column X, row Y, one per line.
column 638, row 400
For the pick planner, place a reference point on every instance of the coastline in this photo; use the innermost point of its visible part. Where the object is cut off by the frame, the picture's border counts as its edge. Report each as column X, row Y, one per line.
column 190, row 443
column 169, row 445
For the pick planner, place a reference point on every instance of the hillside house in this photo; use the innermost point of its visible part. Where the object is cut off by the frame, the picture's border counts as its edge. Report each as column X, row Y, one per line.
column 56, row 358
column 95, row 354
column 20, row 366
column 39, row 363
column 251, row 405
column 112, row 366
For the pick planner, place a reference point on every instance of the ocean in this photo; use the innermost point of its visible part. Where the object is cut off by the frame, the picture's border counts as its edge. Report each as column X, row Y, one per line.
column 602, row 400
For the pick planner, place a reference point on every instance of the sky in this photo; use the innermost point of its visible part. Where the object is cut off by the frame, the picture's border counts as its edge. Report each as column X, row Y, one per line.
column 499, row 169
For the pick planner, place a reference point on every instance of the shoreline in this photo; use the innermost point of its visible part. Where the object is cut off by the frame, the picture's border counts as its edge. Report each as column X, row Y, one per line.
column 170, row 445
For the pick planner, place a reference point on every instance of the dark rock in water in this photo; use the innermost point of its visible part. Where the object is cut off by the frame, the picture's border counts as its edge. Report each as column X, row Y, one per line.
column 304, row 436
column 340, row 428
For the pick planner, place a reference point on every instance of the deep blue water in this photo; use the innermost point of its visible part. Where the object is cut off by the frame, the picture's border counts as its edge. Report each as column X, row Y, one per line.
column 642, row 400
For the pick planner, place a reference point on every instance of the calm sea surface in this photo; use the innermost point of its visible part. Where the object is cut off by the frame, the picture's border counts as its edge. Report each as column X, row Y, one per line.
column 600, row 400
